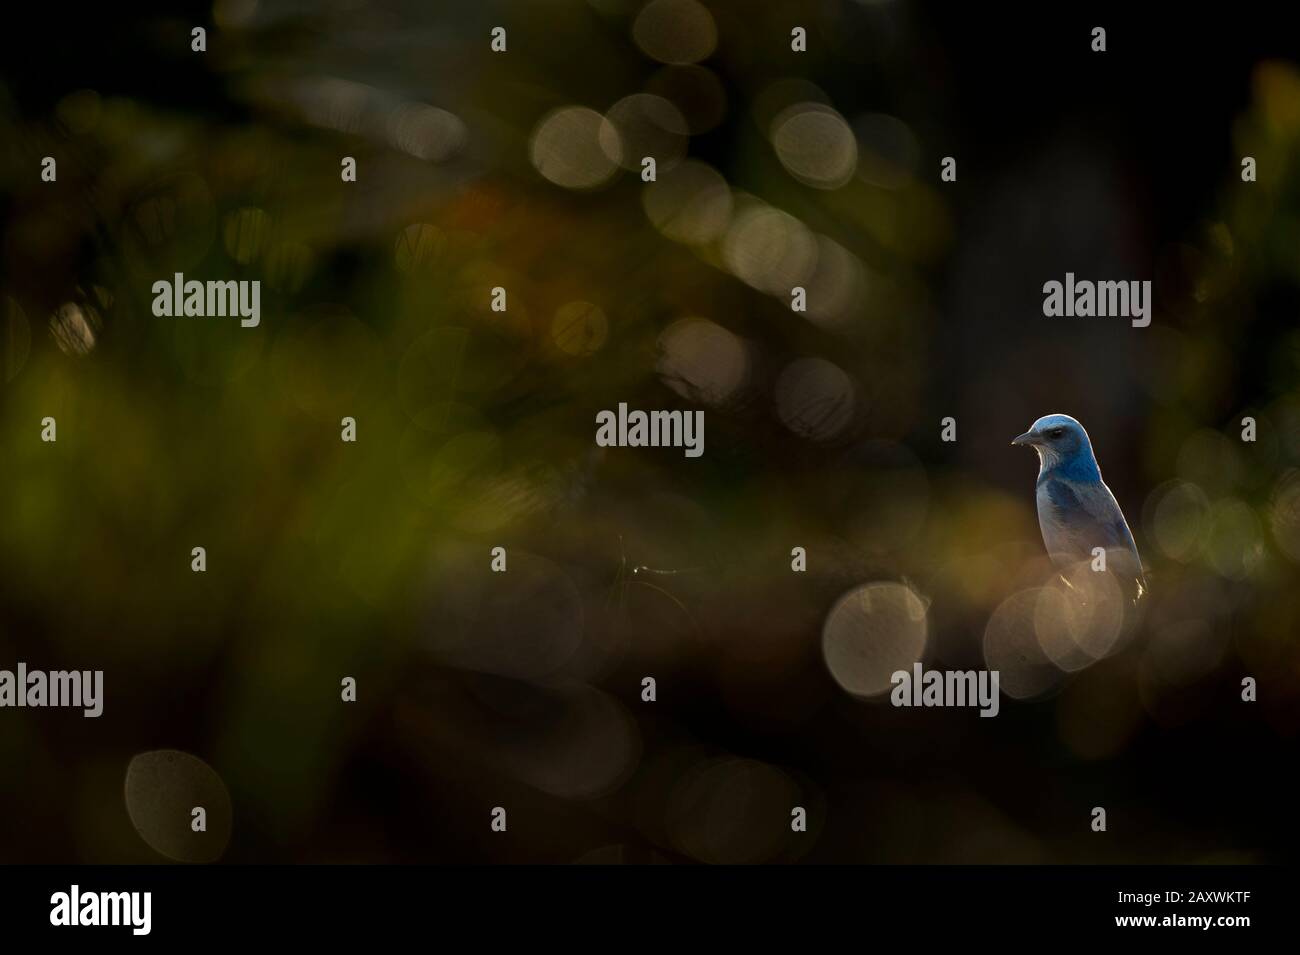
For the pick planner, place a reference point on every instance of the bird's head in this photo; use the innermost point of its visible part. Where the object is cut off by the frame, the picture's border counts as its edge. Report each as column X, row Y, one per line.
column 1057, row 438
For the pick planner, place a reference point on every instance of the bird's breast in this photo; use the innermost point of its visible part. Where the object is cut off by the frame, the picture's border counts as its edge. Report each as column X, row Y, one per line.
column 1059, row 528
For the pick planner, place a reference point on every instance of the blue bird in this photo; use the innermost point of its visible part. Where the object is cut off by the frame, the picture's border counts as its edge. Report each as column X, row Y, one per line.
column 1076, row 510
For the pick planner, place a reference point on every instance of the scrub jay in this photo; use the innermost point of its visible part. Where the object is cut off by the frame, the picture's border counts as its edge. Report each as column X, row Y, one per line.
column 1076, row 510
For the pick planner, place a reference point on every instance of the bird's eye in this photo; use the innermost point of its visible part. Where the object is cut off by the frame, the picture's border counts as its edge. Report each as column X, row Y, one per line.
column 1056, row 432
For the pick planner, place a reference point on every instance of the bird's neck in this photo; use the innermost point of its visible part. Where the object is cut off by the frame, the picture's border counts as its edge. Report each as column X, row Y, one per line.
column 1077, row 467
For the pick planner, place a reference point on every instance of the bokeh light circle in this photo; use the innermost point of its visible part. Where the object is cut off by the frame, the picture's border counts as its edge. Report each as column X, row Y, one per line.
column 643, row 125
column 702, row 361
column 675, row 31
column 690, row 203
column 872, row 632
column 1011, row 646
column 162, row 789
column 815, row 145
column 568, row 148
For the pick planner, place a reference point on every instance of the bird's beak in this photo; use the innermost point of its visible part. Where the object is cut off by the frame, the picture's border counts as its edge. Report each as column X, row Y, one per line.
column 1026, row 440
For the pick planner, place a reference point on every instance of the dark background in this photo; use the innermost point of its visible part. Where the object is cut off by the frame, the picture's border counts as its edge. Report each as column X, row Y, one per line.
column 476, row 691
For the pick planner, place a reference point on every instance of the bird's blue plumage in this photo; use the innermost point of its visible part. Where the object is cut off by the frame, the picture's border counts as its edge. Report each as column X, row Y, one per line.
column 1076, row 510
